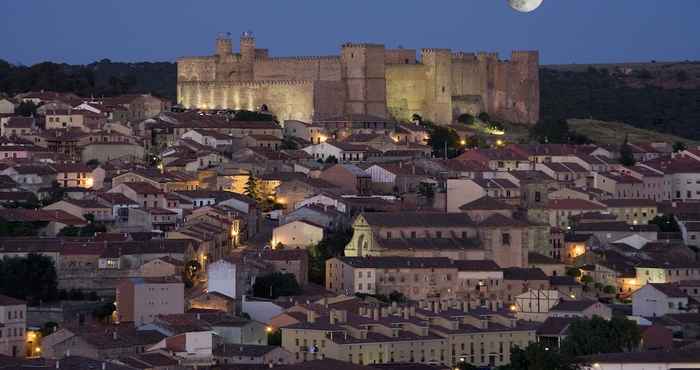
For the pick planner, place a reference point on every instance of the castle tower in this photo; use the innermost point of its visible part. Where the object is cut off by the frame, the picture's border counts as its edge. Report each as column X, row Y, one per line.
column 439, row 84
column 224, row 46
column 247, row 55
column 363, row 73
column 525, row 94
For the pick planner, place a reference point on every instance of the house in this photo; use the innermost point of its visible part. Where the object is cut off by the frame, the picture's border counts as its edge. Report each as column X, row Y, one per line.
column 349, row 178
column 143, row 193
column 632, row 211
column 327, row 217
column 7, row 105
column 518, row 280
column 656, row 300
column 553, row 331
column 17, row 126
column 496, row 159
column 548, row 265
column 267, row 142
column 560, row 211
column 297, row 234
column 75, row 175
column 308, row 132
column 213, row 301
column 13, row 324
column 208, row 138
column 342, row 152
column 140, row 300
column 581, row 308
column 535, row 304
column 658, row 360
column 291, row 192
column 252, row 355
column 621, row 185
column 98, row 342
column 235, row 330
column 387, row 178
column 83, row 207
column 464, row 191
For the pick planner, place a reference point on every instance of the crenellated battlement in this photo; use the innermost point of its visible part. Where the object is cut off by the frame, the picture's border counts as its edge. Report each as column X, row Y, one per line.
column 253, row 83
column 350, row 45
column 301, row 59
column 426, row 51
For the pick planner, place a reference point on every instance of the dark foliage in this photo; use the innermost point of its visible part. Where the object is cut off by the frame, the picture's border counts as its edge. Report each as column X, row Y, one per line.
column 597, row 335
column 275, row 285
column 538, row 357
column 331, row 246
column 32, row 278
column 103, row 78
column 604, row 96
column 666, row 223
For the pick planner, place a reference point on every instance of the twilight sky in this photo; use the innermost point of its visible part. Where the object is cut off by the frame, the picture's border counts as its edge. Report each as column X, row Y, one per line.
column 565, row 31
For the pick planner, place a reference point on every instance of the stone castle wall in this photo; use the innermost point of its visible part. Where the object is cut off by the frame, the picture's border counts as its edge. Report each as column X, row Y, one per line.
column 364, row 79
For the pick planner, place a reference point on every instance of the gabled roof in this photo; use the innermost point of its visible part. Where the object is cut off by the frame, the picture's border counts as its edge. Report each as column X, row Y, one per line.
column 417, row 219
column 486, row 203
column 573, row 306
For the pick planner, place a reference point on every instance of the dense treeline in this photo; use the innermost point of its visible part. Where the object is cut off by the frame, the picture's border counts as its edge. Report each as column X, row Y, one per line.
column 103, row 78
column 604, row 95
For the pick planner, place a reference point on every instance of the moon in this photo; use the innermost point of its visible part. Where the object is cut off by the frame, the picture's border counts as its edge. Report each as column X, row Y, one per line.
column 524, row 6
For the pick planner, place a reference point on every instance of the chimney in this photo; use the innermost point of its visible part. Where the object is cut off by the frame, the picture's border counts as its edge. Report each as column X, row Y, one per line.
column 199, row 316
column 436, row 306
column 114, row 335
column 58, row 364
column 412, row 310
column 310, row 316
column 331, row 317
column 376, row 314
column 406, row 313
column 104, row 366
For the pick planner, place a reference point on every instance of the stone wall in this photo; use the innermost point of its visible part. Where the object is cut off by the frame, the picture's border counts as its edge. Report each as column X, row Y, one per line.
column 405, row 90
column 287, row 99
column 298, row 68
column 364, row 79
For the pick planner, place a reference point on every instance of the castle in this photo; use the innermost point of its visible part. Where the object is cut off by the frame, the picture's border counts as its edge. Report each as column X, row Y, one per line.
column 365, row 79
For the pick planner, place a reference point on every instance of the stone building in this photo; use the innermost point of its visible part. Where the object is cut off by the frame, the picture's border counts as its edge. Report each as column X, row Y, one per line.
column 364, row 80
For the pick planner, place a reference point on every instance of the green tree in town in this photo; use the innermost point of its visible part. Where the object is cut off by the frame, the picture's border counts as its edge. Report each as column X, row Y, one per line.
column 252, row 188
column 275, row 285
column 466, row 119
column 32, row 278
column 537, row 356
column 679, row 146
column 443, row 139
column 332, row 245
column 484, row 117
column 626, row 154
column 597, row 335
column 666, row 223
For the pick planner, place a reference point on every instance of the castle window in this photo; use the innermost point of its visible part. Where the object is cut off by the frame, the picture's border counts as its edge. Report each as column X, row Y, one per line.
column 505, row 239
column 406, row 60
column 352, row 55
column 443, row 89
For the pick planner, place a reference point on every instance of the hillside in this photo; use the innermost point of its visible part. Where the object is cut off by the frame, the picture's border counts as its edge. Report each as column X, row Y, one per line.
column 663, row 97
column 614, row 132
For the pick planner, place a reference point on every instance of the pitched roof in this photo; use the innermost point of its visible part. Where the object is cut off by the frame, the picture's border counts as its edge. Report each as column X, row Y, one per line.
column 9, row 301
column 573, row 204
column 417, row 219
column 397, row 262
column 573, row 306
column 476, row 265
column 655, row 357
column 485, row 203
column 521, row 273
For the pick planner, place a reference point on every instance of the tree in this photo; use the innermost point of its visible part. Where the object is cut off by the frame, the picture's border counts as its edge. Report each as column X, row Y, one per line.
column 190, row 272
column 104, row 311
column 551, row 131
column 252, row 189
column 666, row 223
column 274, row 338
column 466, row 119
column 586, row 279
column 275, row 285
column 26, row 109
column 426, row 190
column 332, row 245
column 679, row 146
column 442, row 138
column 484, row 117
column 597, row 335
column 609, row 289
column 417, row 118
column 573, row 272
column 537, row 356
column 331, row 159
column 93, row 162
column 626, row 155
column 32, row 278
column 397, row 297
